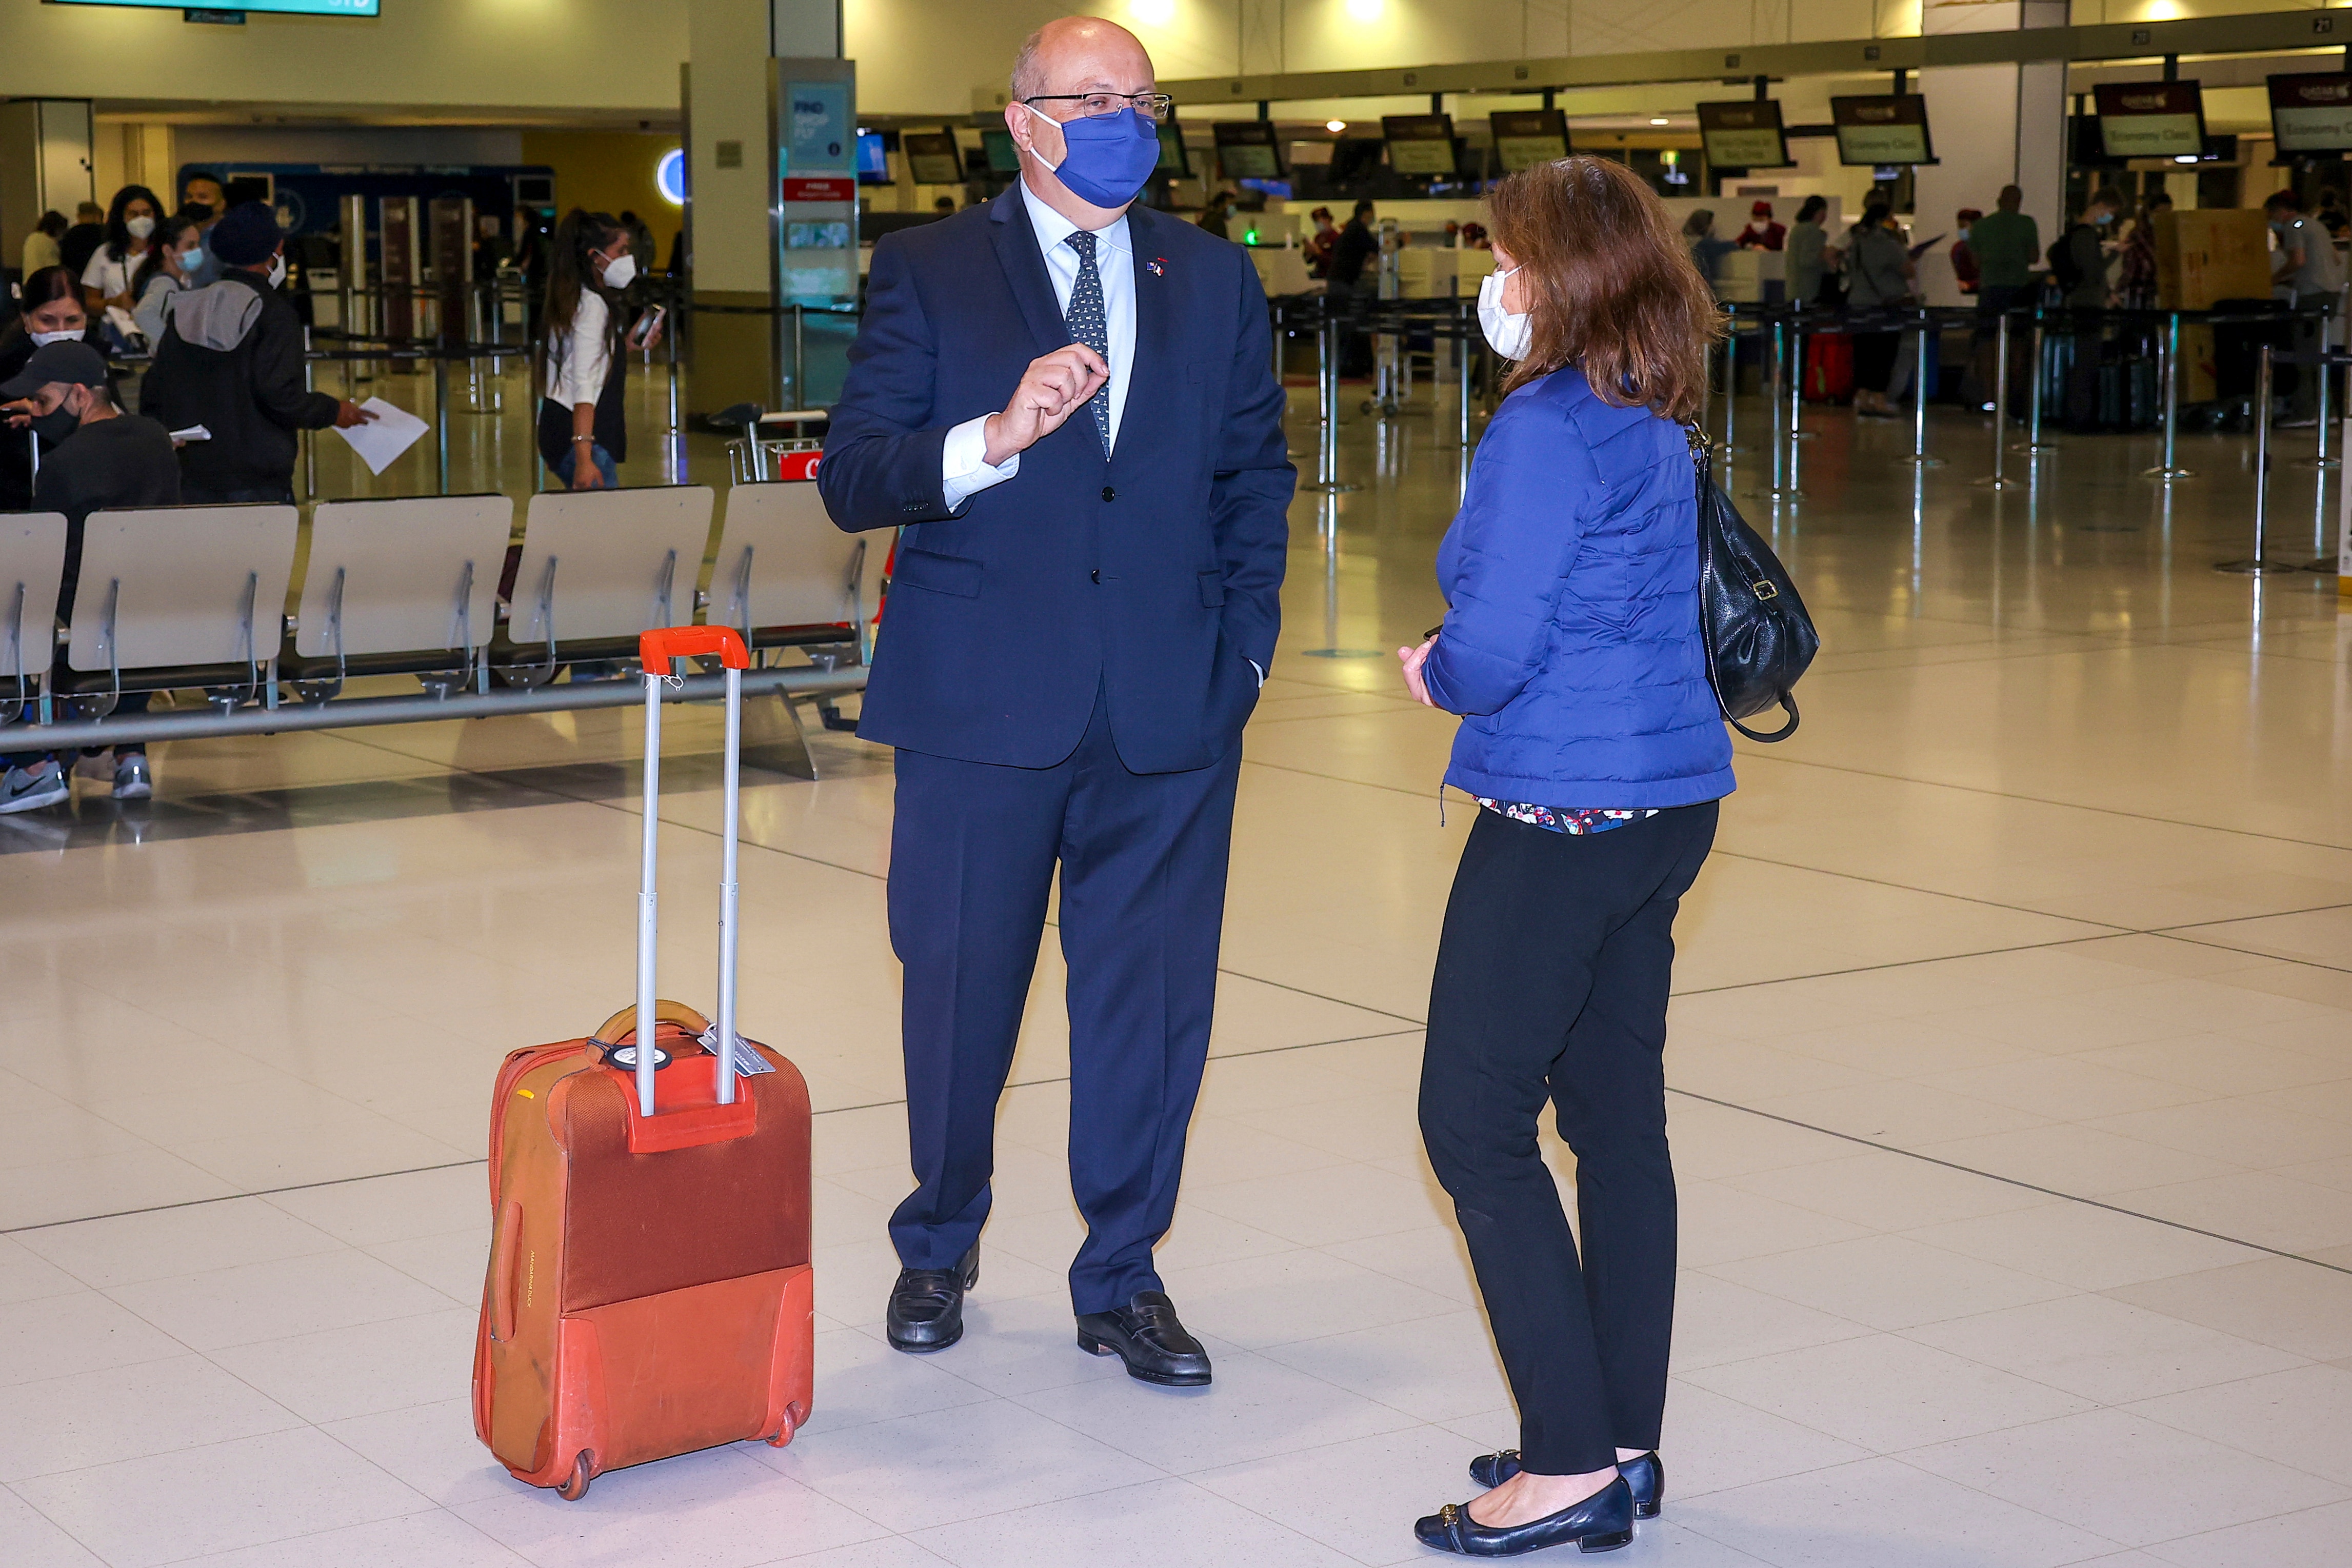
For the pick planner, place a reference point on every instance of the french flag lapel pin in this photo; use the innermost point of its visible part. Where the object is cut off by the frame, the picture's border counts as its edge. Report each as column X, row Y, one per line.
column 1157, row 266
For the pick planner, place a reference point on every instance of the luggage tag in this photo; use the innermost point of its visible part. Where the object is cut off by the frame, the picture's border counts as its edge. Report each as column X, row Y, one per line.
column 749, row 1063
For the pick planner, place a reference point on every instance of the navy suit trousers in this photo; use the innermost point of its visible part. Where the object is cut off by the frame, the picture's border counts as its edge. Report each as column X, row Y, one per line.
column 1142, row 858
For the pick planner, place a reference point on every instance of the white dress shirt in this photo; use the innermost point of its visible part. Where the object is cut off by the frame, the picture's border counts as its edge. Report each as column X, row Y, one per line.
column 965, row 471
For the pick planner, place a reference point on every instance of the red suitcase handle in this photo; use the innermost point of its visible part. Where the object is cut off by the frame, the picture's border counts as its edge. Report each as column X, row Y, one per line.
column 656, row 648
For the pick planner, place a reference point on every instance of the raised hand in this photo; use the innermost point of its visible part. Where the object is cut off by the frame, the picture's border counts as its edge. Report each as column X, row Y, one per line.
column 1053, row 387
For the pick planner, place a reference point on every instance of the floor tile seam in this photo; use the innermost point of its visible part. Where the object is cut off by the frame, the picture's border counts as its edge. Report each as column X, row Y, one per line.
column 1720, row 852
column 2174, row 934
column 1750, row 755
column 266, row 1192
column 54, row 1523
column 2014, row 1181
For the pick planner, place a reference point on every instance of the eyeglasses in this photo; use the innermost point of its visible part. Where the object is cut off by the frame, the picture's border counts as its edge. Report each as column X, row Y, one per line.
column 1158, row 106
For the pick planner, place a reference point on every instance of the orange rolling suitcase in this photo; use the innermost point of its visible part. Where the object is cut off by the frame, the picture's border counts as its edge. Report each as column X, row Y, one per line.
column 648, row 1291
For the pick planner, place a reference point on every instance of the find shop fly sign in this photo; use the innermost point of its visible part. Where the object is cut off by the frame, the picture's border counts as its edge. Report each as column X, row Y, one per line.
column 816, row 168
column 2151, row 118
column 2311, row 113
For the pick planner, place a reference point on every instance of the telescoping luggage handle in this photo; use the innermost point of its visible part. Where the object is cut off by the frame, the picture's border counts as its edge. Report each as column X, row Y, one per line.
column 656, row 649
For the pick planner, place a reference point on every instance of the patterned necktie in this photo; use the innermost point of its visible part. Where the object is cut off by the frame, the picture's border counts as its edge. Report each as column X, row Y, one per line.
column 1089, row 326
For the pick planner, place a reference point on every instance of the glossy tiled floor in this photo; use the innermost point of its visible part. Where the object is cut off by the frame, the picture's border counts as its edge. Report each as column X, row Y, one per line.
column 2012, row 1073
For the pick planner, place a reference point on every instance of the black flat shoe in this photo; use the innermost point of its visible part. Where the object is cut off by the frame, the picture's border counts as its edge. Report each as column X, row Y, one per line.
column 1645, row 1477
column 1145, row 1335
column 926, row 1310
column 1602, row 1522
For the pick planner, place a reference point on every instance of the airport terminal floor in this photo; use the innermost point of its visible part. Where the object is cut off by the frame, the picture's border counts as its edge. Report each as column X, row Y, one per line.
column 2011, row 1093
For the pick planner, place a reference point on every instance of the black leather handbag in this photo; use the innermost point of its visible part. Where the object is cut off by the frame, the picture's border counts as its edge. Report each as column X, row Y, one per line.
column 1758, row 637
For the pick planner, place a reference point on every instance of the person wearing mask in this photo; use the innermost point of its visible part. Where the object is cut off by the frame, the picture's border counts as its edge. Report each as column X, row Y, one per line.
column 2078, row 265
column 169, row 270
column 101, row 457
column 130, row 224
column 1132, row 490
column 204, row 195
column 2306, row 273
column 1879, row 275
column 1965, row 271
column 82, row 241
column 1214, row 216
column 1706, row 250
column 583, row 432
column 41, row 245
column 1807, row 262
column 51, row 312
column 1320, row 243
column 1762, row 232
column 1595, row 749
column 231, row 359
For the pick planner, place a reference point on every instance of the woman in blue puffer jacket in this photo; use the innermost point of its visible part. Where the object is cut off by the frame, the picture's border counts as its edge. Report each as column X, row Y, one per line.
column 1594, row 746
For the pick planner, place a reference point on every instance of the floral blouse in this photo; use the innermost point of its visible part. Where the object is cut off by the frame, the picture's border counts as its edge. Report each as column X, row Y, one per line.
column 1578, row 820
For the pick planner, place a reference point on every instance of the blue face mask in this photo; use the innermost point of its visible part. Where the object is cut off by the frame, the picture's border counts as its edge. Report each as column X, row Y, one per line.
column 1107, row 157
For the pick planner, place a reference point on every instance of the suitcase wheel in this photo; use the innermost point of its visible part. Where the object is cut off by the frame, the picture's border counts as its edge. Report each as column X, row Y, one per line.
column 792, row 1424
column 575, row 1485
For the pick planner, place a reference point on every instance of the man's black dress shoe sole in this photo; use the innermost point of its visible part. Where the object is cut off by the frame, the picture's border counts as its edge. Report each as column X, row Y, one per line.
column 1147, row 1335
column 915, row 1285
column 1645, row 1477
column 1602, row 1522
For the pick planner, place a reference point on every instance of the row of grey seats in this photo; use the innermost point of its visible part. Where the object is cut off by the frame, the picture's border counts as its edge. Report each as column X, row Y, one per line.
column 182, row 596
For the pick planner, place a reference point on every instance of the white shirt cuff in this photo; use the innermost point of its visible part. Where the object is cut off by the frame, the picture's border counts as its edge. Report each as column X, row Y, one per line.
column 1253, row 665
column 964, row 468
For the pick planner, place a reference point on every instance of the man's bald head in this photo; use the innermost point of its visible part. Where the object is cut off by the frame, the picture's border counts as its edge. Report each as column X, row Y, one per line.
column 1079, row 54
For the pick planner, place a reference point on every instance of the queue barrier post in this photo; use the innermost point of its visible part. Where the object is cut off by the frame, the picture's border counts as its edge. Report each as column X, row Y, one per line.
column 2169, row 469
column 1919, row 458
column 1326, row 400
column 2257, row 565
column 1998, row 478
column 2033, row 444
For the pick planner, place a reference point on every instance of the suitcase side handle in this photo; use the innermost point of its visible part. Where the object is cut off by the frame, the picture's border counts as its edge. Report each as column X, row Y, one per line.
column 625, row 1022
column 502, row 1271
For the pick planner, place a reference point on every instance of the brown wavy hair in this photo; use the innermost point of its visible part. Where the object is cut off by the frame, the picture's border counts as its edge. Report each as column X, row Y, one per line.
column 1611, row 287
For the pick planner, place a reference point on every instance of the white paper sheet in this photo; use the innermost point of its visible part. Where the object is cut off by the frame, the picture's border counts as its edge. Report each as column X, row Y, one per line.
column 393, row 431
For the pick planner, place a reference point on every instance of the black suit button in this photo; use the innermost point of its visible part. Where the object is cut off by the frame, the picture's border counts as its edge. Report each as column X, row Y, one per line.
column 1095, row 574
column 1110, row 494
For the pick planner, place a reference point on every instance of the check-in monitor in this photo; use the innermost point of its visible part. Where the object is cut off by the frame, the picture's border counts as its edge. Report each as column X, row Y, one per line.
column 2311, row 113
column 1881, row 130
column 2151, row 118
column 1246, row 150
column 282, row 7
column 1527, row 137
column 1419, row 143
column 1743, row 133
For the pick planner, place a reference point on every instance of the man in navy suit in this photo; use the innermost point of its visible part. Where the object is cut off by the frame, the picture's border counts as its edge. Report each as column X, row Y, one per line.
column 1065, row 400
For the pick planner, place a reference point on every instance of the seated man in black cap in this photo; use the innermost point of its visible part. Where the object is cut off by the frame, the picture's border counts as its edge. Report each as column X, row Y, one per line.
column 231, row 360
column 101, row 457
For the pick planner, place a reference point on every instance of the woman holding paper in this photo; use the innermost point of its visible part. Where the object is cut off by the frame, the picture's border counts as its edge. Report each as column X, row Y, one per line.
column 583, row 431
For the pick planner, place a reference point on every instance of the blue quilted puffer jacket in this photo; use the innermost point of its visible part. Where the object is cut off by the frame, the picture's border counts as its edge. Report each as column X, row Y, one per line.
column 1572, row 644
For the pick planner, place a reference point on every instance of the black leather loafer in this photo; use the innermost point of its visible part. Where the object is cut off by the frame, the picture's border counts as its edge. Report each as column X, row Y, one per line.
column 1145, row 1335
column 1644, row 1477
column 1602, row 1522
column 926, row 1305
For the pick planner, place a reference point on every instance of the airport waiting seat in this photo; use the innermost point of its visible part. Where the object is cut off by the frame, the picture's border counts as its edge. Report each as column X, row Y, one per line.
column 784, row 576
column 172, row 597
column 597, row 567
column 402, row 586
column 32, row 563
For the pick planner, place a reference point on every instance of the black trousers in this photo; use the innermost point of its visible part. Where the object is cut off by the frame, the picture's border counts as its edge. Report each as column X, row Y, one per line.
column 1873, row 364
column 1551, row 985
column 973, row 849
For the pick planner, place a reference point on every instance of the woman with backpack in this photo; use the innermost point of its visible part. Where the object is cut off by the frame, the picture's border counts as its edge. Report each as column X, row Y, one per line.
column 1594, row 746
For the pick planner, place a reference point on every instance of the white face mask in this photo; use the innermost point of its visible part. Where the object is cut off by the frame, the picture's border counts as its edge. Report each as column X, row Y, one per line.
column 620, row 272
column 43, row 340
column 140, row 228
column 276, row 269
column 1509, row 332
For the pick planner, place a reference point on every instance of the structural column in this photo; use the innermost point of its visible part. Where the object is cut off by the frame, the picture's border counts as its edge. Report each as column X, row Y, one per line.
column 46, row 164
column 1994, row 125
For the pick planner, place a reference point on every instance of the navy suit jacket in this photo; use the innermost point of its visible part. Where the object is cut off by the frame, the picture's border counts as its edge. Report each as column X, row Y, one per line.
column 1153, row 578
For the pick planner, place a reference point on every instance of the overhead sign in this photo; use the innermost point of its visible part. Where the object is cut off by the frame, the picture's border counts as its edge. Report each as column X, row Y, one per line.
column 2151, row 118
column 1881, row 130
column 2311, row 113
column 1419, row 143
column 1743, row 134
column 1246, row 150
column 1527, row 138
